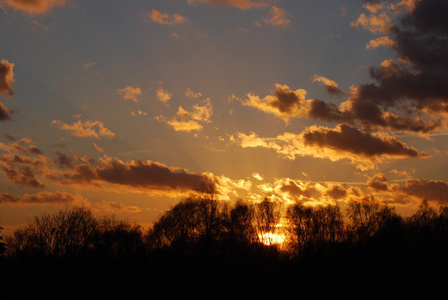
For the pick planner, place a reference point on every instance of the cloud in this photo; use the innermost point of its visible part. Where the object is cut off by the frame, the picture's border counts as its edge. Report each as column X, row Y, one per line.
column 130, row 93
column 344, row 142
column 6, row 78
column 88, row 128
column 24, row 175
column 379, row 182
column 88, row 65
column 43, row 198
column 164, row 18
column 431, row 190
column 278, row 17
column 163, row 95
column 351, row 140
column 190, row 94
column 188, row 126
column 410, row 94
column 35, row 6
column 375, row 23
column 382, row 41
column 241, row 4
column 4, row 113
column 283, row 103
column 300, row 190
column 189, row 120
column 331, row 85
column 6, row 82
column 139, row 175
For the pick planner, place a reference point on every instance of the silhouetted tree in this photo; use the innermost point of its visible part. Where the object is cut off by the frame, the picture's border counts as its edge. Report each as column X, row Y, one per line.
column 119, row 239
column 68, row 232
column 267, row 217
column 2, row 244
column 199, row 220
column 363, row 215
column 312, row 228
column 242, row 226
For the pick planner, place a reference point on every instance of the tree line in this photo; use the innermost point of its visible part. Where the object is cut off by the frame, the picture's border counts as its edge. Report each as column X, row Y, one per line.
column 267, row 243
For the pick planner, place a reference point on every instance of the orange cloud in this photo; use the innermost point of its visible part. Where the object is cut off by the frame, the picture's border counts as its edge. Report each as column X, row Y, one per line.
column 4, row 113
column 344, row 142
column 6, row 78
column 189, row 120
column 331, row 85
column 130, row 93
column 164, row 18
column 283, row 103
column 241, row 4
column 375, row 23
column 382, row 41
column 35, row 6
column 163, row 95
column 278, row 17
column 190, row 94
column 88, row 128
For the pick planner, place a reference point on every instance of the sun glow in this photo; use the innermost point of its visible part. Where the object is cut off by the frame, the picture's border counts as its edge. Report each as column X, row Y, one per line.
column 270, row 238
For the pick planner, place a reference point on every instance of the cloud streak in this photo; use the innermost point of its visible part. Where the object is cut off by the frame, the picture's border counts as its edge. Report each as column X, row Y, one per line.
column 164, row 18
column 88, row 128
column 240, row 4
column 43, row 198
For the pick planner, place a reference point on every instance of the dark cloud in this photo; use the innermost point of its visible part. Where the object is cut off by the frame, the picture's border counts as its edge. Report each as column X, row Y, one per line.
column 42, row 198
column 295, row 190
column 6, row 78
column 416, row 87
column 431, row 190
column 25, row 175
column 328, row 112
column 378, row 182
column 349, row 139
column 136, row 174
column 337, row 192
column 4, row 113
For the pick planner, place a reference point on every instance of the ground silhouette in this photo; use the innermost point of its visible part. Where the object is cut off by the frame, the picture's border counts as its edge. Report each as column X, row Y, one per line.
column 205, row 248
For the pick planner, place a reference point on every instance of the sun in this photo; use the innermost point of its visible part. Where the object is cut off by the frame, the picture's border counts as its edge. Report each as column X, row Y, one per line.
column 270, row 238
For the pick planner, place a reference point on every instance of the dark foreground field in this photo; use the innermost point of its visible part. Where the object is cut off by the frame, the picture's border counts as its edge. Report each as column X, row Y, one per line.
column 203, row 251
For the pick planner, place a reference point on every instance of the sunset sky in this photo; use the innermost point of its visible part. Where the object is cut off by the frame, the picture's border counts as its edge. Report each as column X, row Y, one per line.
column 126, row 106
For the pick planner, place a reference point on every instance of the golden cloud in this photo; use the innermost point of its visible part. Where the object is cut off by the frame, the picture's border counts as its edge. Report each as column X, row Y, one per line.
column 164, row 18
column 283, row 103
column 6, row 78
column 88, row 128
column 130, row 93
column 344, row 142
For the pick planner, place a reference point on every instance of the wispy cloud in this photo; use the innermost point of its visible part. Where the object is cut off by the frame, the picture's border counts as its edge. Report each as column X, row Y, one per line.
column 164, row 18
column 44, row 198
column 190, row 120
column 278, row 17
column 130, row 93
column 241, row 4
column 163, row 95
column 88, row 128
